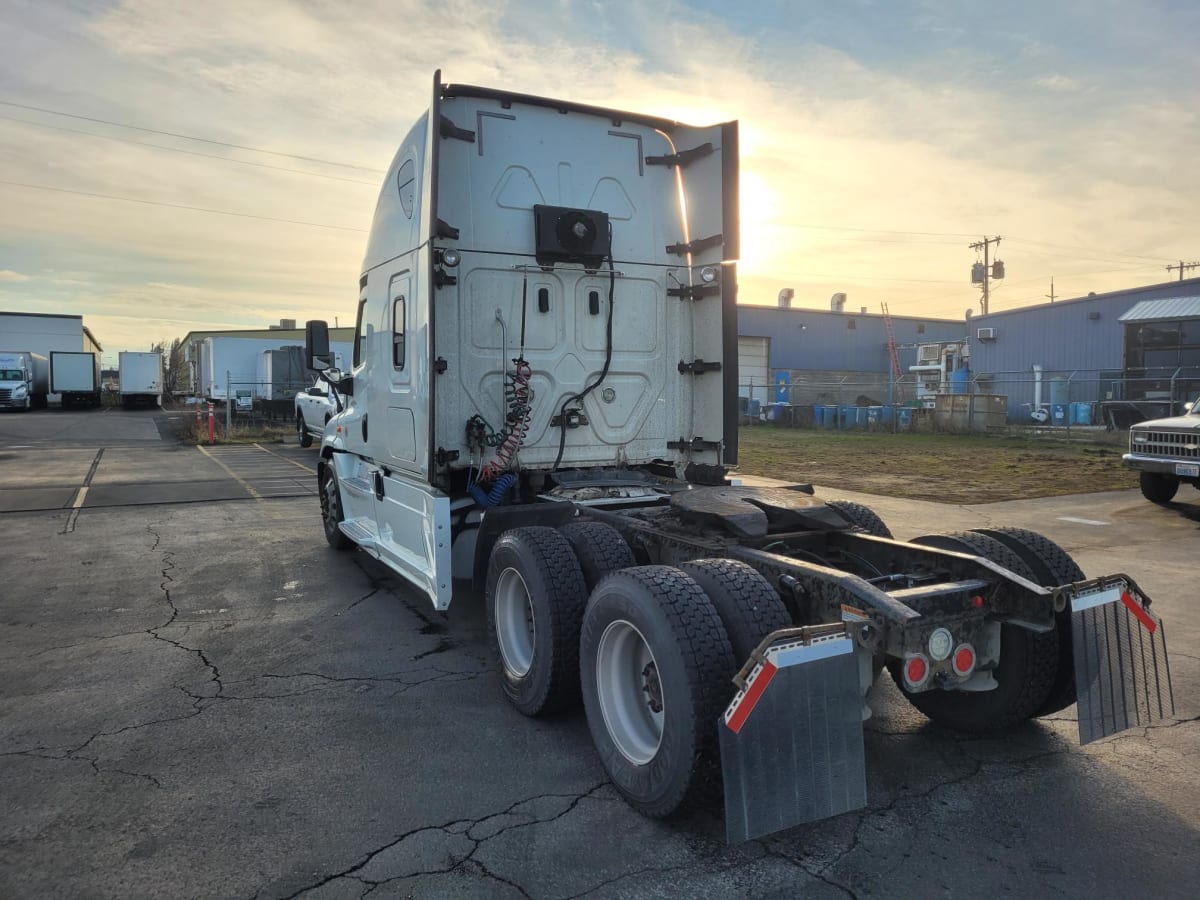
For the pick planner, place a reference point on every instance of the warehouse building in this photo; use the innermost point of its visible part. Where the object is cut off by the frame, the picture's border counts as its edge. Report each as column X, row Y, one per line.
column 831, row 355
column 250, row 362
column 43, row 333
column 1107, row 358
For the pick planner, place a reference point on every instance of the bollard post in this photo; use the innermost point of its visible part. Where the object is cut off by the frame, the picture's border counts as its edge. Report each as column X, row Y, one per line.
column 198, row 422
column 211, row 426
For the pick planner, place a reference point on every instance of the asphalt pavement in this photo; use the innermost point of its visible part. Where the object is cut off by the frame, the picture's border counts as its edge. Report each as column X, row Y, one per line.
column 201, row 699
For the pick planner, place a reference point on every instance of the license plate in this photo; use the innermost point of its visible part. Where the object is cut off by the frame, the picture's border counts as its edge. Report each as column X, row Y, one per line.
column 1188, row 470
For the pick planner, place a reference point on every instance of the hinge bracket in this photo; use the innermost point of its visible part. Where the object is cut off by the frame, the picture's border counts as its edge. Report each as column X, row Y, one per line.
column 445, row 230
column 699, row 367
column 444, row 456
column 694, row 291
column 440, row 365
column 682, row 158
column 696, row 444
column 448, row 129
column 440, row 278
column 696, row 246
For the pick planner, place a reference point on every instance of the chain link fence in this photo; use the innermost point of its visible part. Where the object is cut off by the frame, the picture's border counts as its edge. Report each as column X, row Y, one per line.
column 1066, row 400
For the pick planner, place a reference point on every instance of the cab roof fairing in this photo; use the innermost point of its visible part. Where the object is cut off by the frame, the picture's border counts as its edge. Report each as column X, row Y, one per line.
column 393, row 231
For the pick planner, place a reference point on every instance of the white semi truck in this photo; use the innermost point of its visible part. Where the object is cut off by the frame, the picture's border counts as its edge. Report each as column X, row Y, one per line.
column 24, row 380
column 141, row 376
column 75, row 377
column 543, row 399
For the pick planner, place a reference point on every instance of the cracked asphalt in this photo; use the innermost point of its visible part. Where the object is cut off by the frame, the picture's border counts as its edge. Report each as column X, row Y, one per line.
column 201, row 700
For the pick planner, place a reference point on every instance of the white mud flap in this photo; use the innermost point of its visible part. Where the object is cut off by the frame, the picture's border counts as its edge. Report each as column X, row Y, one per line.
column 1121, row 672
column 792, row 740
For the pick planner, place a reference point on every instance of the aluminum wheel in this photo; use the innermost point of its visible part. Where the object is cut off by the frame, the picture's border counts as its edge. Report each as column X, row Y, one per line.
column 629, row 691
column 515, row 625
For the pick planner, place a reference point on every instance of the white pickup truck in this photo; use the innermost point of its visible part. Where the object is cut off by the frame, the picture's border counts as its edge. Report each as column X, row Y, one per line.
column 1166, row 452
column 314, row 407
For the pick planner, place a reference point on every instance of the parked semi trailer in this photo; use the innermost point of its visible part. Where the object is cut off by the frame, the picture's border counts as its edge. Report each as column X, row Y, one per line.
column 543, row 398
column 76, row 377
column 24, row 380
column 141, row 376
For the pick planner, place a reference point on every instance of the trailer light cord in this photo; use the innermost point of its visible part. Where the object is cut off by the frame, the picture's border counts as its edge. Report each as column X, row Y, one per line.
column 608, row 349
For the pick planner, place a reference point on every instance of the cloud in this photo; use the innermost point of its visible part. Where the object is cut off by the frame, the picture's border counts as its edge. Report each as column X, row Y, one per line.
column 869, row 116
column 10, row 275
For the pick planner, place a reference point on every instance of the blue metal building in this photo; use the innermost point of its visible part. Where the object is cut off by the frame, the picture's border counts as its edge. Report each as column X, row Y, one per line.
column 1069, row 352
column 840, row 341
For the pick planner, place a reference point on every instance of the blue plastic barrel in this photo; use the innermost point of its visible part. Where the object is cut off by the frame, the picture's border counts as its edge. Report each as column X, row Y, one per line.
column 904, row 418
column 830, row 418
column 1058, row 413
column 886, row 414
column 860, row 416
column 1081, row 413
column 755, row 408
column 874, row 415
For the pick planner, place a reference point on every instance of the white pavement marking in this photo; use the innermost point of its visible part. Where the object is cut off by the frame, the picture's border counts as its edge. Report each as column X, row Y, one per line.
column 1078, row 521
column 79, row 497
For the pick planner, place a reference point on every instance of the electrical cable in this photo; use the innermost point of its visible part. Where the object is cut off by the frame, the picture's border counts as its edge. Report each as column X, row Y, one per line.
column 608, row 349
column 217, row 212
column 189, row 137
column 228, row 159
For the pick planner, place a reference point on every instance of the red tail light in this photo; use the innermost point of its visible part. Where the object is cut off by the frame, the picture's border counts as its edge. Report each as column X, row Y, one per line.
column 916, row 671
column 964, row 660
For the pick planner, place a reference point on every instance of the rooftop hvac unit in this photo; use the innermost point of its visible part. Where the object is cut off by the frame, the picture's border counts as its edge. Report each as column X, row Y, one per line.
column 837, row 302
column 986, row 334
column 785, row 298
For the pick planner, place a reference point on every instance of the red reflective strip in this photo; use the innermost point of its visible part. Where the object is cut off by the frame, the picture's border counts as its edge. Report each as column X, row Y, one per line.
column 1136, row 608
column 742, row 713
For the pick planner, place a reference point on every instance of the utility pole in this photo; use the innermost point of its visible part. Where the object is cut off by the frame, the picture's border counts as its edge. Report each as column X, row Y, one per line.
column 1051, row 294
column 1182, row 266
column 984, row 245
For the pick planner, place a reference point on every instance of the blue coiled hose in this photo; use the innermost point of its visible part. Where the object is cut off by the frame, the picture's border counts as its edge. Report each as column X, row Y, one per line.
column 496, row 494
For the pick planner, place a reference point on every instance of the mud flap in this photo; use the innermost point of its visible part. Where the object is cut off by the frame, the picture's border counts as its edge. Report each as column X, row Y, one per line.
column 792, row 740
column 1121, row 672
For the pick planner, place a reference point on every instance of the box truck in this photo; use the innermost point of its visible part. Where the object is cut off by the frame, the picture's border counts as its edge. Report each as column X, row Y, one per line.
column 526, row 412
column 24, row 380
column 76, row 376
column 141, row 376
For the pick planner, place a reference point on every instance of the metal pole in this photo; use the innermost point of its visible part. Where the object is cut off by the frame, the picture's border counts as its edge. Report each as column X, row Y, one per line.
column 211, row 426
column 228, row 408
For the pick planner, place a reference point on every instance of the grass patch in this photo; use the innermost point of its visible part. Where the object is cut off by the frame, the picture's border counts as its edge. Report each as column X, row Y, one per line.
column 239, row 432
column 945, row 468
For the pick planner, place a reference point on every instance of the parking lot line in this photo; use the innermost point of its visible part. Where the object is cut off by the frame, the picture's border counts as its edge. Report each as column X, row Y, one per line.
column 298, row 465
column 232, row 474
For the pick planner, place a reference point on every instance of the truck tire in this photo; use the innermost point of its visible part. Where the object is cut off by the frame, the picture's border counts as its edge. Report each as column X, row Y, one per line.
column 535, row 598
column 1052, row 566
column 861, row 516
column 654, row 665
column 748, row 606
column 1157, row 487
column 599, row 548
column 302, row 431
column 331, row 509
column 1025, row 674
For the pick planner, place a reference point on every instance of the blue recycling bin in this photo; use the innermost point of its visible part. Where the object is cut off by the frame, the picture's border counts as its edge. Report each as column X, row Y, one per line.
column 904, row 417
column 1058, row 413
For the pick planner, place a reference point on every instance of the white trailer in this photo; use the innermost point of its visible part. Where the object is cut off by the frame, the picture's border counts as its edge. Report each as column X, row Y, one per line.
column 24, row 380
column 141, row 376
column 75, row 377
column 527, row 412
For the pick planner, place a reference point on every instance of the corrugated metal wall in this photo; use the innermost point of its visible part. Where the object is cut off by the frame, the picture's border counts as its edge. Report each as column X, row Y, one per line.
column 1072, row 340
column 821, row 339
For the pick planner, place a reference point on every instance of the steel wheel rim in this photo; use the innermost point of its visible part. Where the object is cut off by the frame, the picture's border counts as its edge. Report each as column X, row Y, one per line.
column 329, row 501
column 516, row 628
column 625, row 692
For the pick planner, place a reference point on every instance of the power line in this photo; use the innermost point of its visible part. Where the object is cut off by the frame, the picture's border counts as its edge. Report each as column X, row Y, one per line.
column 189, row 137
column 228, row 159
column 877, row 230
column 1182, row 267
column 1107, row 253
column 217, row 212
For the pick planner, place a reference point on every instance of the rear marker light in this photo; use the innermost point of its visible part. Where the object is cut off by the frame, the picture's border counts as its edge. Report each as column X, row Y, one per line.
column 964, row 660
column 977, row 601
column 916, row 670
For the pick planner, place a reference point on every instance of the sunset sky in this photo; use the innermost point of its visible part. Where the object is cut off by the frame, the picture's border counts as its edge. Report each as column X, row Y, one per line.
column 878, row 140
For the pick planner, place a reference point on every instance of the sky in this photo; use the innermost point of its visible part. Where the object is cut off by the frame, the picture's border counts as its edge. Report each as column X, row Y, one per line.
column 878, row 140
